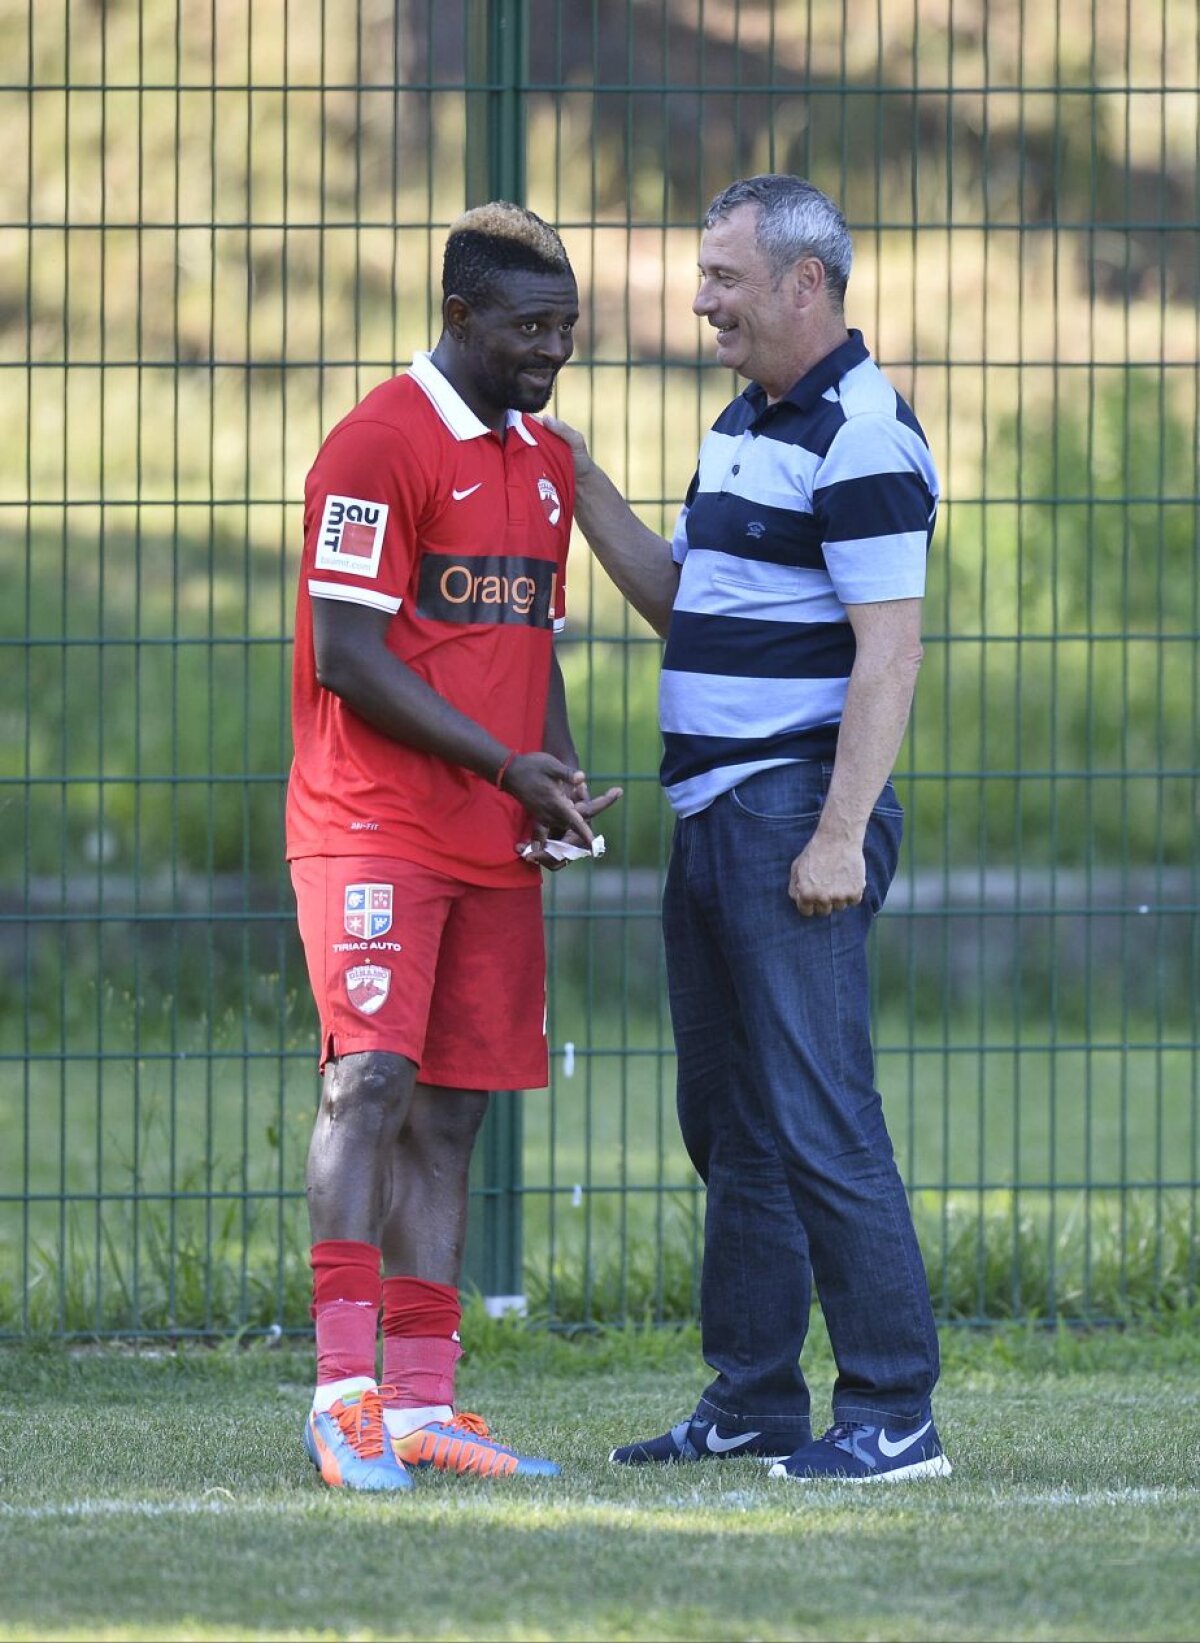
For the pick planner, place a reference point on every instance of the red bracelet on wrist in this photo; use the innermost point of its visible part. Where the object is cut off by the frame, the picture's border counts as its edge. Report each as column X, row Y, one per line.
column 503, row 770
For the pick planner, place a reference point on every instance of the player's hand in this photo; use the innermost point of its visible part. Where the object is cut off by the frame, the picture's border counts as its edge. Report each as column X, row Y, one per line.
column 546, row 788
column 579, row 450
column 587, row 807
column 827, row 876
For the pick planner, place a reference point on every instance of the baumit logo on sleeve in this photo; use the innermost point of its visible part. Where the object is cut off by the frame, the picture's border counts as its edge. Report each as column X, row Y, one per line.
column 509, row 589
column 351, row 535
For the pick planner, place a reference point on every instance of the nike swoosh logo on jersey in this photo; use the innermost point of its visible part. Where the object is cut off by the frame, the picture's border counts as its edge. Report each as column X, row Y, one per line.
column 461, row 496
column 721, row 1446
column 891, row 1450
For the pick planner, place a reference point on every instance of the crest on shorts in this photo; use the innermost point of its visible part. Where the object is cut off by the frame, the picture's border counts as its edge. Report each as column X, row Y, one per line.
column 367, row 911
column 367, row 986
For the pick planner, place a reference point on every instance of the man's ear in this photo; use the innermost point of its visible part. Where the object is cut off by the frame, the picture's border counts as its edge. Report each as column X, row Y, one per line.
column 809, row 275
column 456, row 316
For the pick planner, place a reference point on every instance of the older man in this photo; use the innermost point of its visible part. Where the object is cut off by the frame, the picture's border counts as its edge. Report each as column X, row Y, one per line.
column 790, row 600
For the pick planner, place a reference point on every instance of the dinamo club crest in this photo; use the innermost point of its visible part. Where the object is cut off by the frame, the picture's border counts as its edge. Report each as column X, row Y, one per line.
column 367, row 911
column 550, row 500
column 367, row 986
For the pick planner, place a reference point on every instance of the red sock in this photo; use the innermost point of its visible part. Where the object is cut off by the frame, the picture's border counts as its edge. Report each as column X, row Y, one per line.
column 420, row 1342
column 346, row 1296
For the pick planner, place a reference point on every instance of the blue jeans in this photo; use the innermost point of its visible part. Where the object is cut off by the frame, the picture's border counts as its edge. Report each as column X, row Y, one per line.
column 782, row 1120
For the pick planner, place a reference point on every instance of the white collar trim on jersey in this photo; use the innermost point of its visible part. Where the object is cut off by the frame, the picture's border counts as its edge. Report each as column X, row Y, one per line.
column 453, row 409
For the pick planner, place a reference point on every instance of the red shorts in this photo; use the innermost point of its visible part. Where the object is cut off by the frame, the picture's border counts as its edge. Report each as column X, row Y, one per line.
column 404, row 959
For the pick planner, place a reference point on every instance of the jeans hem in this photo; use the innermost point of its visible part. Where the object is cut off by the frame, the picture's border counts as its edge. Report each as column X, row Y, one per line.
column 870, row 1415
column 709, row 1410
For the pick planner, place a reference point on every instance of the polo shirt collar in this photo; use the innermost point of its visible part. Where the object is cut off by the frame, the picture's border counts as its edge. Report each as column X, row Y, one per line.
column 453, row 409
column 823, row 375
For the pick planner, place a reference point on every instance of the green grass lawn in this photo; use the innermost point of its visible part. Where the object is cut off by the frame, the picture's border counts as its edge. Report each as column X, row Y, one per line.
column 160, row 1494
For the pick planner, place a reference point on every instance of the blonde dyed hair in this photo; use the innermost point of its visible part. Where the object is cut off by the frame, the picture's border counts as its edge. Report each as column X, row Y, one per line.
column 495, row 239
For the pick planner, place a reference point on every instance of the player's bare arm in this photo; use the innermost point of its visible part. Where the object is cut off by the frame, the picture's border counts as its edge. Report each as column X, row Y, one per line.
column 354, row 662
column 558, row 740
column 830, row 874
column 637, row 558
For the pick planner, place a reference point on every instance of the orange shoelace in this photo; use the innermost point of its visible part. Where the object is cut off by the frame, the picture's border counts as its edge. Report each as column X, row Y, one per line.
column 362, row 1424
column 475, row 1425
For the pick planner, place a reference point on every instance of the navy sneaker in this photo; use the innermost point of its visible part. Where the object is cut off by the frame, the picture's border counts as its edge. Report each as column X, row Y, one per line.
column 859, row 1454
column 699, row 1438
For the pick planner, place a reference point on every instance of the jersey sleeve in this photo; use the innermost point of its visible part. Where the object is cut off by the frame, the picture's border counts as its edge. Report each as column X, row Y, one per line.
column 362, row 501
column 875, row 500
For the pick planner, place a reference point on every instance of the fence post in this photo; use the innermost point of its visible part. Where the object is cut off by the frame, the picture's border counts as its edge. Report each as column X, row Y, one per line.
column 495, row 170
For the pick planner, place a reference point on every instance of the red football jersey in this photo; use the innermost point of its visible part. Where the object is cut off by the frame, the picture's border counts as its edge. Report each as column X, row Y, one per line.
column 413, row 507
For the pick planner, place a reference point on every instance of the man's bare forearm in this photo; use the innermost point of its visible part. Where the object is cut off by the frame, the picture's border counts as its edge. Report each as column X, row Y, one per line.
column 636, row 558
column 830, row 872
column 878, row 703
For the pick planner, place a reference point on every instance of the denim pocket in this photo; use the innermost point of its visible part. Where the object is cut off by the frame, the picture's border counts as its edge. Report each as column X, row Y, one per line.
column 882, row 848
column 887, row 804
column 789, row 792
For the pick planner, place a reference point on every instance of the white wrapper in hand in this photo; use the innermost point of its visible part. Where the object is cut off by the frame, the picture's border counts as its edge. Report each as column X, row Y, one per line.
column 558, row 850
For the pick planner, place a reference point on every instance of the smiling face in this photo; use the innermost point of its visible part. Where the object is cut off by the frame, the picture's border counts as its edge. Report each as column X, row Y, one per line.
column 507, row 354
column 763, row 324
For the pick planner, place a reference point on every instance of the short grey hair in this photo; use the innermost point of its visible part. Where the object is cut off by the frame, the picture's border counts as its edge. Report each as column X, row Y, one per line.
column 794, row 220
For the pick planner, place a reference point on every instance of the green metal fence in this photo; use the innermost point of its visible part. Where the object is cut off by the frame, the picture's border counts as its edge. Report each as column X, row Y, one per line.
column 220, row 225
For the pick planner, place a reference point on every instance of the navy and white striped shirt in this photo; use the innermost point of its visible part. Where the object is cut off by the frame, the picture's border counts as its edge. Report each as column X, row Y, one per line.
column 825, row 499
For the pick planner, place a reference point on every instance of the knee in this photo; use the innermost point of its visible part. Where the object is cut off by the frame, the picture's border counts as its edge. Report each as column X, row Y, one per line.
column 696, row 1130
column 443, row 1124
column 367, row 1090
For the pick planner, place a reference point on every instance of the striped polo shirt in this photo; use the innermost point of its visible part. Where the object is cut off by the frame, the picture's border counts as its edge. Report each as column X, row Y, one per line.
column 825, row 499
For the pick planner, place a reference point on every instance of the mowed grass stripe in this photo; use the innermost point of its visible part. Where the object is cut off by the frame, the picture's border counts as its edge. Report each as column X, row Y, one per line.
column 867, row 1568
column 168, row 1496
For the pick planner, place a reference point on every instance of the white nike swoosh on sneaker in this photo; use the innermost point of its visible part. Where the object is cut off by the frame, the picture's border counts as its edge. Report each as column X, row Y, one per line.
column 718, row 1445
column 460, row 496
column 891, row 1450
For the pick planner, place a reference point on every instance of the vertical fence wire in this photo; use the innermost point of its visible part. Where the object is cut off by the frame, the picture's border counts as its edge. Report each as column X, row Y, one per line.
column 224, row 227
